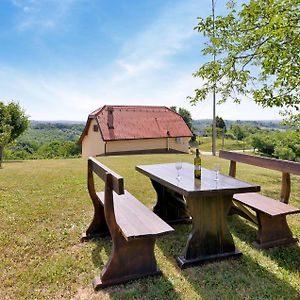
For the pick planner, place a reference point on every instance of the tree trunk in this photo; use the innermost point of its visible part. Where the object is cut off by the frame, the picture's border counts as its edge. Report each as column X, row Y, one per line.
column 1, row 156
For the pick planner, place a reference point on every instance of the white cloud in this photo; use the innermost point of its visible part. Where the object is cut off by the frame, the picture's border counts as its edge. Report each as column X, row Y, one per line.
column 144, row 72
column 45, row 98
column 41, row 15
column 67, row 98
column 151, row 49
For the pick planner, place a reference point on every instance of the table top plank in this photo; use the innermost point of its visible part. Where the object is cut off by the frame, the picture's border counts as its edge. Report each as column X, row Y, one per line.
column 188, row 186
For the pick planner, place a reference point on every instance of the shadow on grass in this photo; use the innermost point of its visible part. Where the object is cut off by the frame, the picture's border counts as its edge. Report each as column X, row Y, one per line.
column 156, row 287
column 241, row 278
column 100, row 245
column 287, row 257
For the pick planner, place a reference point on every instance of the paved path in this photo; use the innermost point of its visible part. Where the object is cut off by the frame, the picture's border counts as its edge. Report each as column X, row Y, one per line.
column 210, row 153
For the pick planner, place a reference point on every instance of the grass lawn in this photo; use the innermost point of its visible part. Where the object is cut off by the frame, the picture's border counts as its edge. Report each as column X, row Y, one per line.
column 229, row 144
column 44, row 208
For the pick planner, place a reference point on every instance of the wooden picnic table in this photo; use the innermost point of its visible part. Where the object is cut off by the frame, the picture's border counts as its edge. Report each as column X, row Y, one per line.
column 206, row 202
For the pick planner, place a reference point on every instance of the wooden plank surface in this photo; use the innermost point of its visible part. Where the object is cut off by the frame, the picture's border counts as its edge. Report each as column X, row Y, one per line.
column 265, row 204
column 264, row 162
column 134, row 218
column 165, row 174
column 101, row 170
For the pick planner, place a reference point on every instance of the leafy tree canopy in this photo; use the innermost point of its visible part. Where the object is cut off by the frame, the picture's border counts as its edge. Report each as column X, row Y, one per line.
column 13, row 122
column 186, row 115
column 220, row 123
column 5, row 128
column 257, row 50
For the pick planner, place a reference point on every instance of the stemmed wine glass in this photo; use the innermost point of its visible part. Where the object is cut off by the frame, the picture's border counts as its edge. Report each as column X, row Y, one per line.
column 178, row 166
column 216, row 168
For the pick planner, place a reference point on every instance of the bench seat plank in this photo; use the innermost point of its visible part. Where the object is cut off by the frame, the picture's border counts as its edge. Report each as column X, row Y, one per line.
column 135, row 219
column 265, row 204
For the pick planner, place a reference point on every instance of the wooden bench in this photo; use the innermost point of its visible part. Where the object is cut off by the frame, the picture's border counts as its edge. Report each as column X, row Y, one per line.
column 132, row 226
column 270, row 217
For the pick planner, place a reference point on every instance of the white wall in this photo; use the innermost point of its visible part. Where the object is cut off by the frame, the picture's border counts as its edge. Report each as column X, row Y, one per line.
column 147, row 144
column 92, row 143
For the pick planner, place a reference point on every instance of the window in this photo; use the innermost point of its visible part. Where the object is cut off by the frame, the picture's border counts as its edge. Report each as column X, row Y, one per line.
column 95, row 127
column 178, row 140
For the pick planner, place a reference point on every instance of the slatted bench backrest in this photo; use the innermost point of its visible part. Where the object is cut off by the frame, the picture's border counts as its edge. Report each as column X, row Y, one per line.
column 284, row 166
column 123, row 212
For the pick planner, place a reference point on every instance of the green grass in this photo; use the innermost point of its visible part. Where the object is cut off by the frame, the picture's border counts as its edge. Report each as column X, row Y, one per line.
column 44, row 208
column 229, row 144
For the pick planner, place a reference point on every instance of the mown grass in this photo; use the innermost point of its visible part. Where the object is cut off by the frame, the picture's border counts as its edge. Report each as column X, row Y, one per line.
column 44, row 208
column 229, row 144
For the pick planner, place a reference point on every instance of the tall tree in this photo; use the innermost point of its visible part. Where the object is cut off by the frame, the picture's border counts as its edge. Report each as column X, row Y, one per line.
column 13, row 122
column 220, row 123
column 174, row 108
column 186, row 115
column 257, row 50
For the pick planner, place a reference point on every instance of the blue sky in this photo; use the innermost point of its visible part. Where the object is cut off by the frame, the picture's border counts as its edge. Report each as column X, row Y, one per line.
column 62, row 59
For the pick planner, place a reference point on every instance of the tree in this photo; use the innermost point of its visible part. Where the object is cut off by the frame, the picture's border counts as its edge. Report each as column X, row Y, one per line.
column 220, row 124
column 13, row 122
column 257, row 50
column 5, row 129
column 238, row 131
column 221, row 129
column 185, row 114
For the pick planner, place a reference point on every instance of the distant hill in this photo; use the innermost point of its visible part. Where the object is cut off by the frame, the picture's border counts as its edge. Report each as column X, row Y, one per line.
column 41, row 132
column 46, row 131
column 263, row 124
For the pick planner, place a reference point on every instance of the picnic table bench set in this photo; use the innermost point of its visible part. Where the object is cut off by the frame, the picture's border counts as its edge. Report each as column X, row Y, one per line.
column 205, row 203
column 273, row 229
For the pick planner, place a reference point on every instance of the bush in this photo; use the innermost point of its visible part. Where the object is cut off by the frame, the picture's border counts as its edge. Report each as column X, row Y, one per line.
column 284, row 153
column 229, row 136
column 283, row 145
column 58, row 149
column 55, row 149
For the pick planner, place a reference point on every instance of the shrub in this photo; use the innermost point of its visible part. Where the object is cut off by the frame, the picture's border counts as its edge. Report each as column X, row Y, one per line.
column 284, row 153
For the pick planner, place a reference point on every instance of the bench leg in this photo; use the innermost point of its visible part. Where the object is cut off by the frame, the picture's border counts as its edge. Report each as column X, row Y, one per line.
column 98, row 226
column 273, row 231
column 129, row 260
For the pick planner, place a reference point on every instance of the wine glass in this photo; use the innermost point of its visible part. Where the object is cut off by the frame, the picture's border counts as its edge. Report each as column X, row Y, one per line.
column 216, row 168
column 178, row 166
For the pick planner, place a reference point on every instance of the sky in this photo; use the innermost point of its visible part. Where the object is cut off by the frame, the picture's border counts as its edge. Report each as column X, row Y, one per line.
column 62, row 59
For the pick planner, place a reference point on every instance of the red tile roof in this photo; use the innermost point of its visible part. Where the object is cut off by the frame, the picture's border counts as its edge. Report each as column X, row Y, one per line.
column 140, row 122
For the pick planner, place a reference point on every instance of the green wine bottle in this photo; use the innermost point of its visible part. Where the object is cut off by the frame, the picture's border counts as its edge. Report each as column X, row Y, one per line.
column 197, row 165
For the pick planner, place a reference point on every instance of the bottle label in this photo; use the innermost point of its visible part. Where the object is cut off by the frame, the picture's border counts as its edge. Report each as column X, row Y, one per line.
column 197, row 168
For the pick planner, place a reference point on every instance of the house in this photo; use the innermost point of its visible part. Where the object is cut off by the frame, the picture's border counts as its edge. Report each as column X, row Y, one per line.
column 134, row 129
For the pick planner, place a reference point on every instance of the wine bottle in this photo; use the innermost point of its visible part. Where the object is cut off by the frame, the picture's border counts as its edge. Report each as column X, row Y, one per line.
column 197, row 165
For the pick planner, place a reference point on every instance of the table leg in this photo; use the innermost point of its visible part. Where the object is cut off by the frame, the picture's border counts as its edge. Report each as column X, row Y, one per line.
column 170, row 206
column 210, row 238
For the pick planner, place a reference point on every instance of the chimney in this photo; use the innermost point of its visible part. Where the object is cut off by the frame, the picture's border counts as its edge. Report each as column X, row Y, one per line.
column 110, row 117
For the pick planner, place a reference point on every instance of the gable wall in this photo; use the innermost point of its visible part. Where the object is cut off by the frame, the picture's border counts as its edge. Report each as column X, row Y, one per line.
column 92, row 143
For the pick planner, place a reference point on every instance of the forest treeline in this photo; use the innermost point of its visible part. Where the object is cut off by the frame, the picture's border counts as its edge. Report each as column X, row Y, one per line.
column 45, row 140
